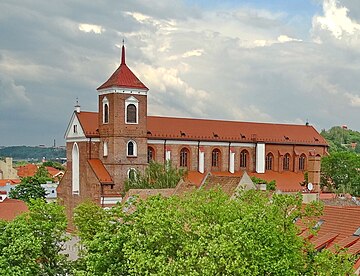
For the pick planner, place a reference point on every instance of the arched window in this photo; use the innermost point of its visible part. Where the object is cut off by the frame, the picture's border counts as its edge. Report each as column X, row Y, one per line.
column 105, row 110
column 243, row 159
column 131, row 173
column 286, row 162
column 215, row 158
column 150, row 154
column 131, row 148
column 302, row 162
column 184, row 157
column 131, row 114
column 105, row 149
column 75, row 170
column 269, row 161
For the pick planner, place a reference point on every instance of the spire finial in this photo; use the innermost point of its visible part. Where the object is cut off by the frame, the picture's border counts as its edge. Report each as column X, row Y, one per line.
column 77, row 106
column 123, row 53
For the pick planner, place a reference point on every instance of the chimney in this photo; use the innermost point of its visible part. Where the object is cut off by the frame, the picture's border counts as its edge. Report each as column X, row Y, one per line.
column 314, row 167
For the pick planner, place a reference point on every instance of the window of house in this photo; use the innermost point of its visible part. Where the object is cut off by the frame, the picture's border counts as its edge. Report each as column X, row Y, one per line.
column 302, row 161
column 150, row 154
column 105, row 110
column 269, row 161
column 184, row 157
column 75, row 129
column 243, row 159
column 215, row 158
column 131, row 148
column 286, row 162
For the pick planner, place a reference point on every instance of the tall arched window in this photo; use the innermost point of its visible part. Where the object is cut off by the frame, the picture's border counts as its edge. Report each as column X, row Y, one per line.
column 105, row 110
column 131, row 114
column 132, row 173
column 243, row 158
column 131, row 148
column 269, row 161
column 150, row 154
column 215, row 158
column 286, row 162
column 184, row 157
column 75, row 170
column 302, row 161
column 105, row 149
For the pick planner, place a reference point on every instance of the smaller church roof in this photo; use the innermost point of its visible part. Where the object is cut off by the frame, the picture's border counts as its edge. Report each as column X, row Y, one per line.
column 123, row 77
column 89, row 123
column 100, row 171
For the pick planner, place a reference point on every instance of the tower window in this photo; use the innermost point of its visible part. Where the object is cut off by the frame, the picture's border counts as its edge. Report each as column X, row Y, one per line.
column 105, row 149
column 132, row 174
column 131, row 148
column 243, row 159
column 269, row 162
column 184, row 157
column 286, row 162
column 105, row 110
column 131, row 114
column 215, row 158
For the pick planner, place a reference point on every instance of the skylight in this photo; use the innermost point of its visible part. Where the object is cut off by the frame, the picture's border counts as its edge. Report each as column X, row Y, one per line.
column 357, row 232
column 318, row 224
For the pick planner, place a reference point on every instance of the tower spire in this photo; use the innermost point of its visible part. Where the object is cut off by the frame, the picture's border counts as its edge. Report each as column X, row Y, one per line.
column 123, row 53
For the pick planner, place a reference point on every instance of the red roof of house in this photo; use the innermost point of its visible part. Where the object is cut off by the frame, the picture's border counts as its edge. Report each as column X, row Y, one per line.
column 27, row 170
column 100, row 171
column 3, row 182
column 285, row 181
column 10, row 208
column 206, row 130
column 52, row 171
column 123, row 77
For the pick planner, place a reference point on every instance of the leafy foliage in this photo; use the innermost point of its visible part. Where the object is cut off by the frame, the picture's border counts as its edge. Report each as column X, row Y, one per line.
column 204, row 233
column 30, row 187
column 341, row 171
column 54, row 164
column 31, row 243
column 270, row 185
column 156, row 176
column 340, row 139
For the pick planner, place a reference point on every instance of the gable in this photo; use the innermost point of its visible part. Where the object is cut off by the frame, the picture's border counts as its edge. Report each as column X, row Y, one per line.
column 74, row 130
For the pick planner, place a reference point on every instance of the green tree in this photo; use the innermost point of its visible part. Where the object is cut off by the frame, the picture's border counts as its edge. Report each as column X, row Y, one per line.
column 156, row 176
column 54, row 164
column 205, row 233
column 341, row 171
column 31, row 243
column 30, row 187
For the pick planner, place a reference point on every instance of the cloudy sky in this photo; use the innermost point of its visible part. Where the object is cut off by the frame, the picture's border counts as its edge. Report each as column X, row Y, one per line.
column 266, row 61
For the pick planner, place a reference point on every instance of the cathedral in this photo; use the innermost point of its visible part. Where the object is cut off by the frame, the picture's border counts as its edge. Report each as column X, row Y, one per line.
column 104, row 147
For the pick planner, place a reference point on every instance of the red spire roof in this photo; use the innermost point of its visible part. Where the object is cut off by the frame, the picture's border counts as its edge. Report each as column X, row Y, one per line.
column 123, row 77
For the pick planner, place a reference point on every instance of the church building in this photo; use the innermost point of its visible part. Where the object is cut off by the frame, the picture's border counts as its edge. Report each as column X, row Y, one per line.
column 104, row 147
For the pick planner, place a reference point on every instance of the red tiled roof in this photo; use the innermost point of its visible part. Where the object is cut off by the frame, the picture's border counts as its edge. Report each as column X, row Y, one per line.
column 285, row 181
column 3, row 182
column 27, row 170
column 195, row 177
column 324, row 240
column 216, row 130
column 100, row 171
column 89, row 123
column 123, row 77
column 204, row 130
column 355, row 248
column 10, row 208
column 52, row 171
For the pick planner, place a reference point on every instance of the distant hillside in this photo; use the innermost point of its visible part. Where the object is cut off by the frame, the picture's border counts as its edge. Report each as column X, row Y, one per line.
column 32, row 153
column 342, row 139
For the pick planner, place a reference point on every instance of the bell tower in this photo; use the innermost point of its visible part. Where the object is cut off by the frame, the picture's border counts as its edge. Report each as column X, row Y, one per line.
column 123, row 123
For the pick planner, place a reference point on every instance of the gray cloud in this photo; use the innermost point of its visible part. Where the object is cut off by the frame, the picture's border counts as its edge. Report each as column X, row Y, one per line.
column 226, row 64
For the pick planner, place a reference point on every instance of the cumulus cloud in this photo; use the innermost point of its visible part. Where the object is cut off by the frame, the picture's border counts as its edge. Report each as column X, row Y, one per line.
column 87, row 28
column 354, row 99
column 11, row 94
